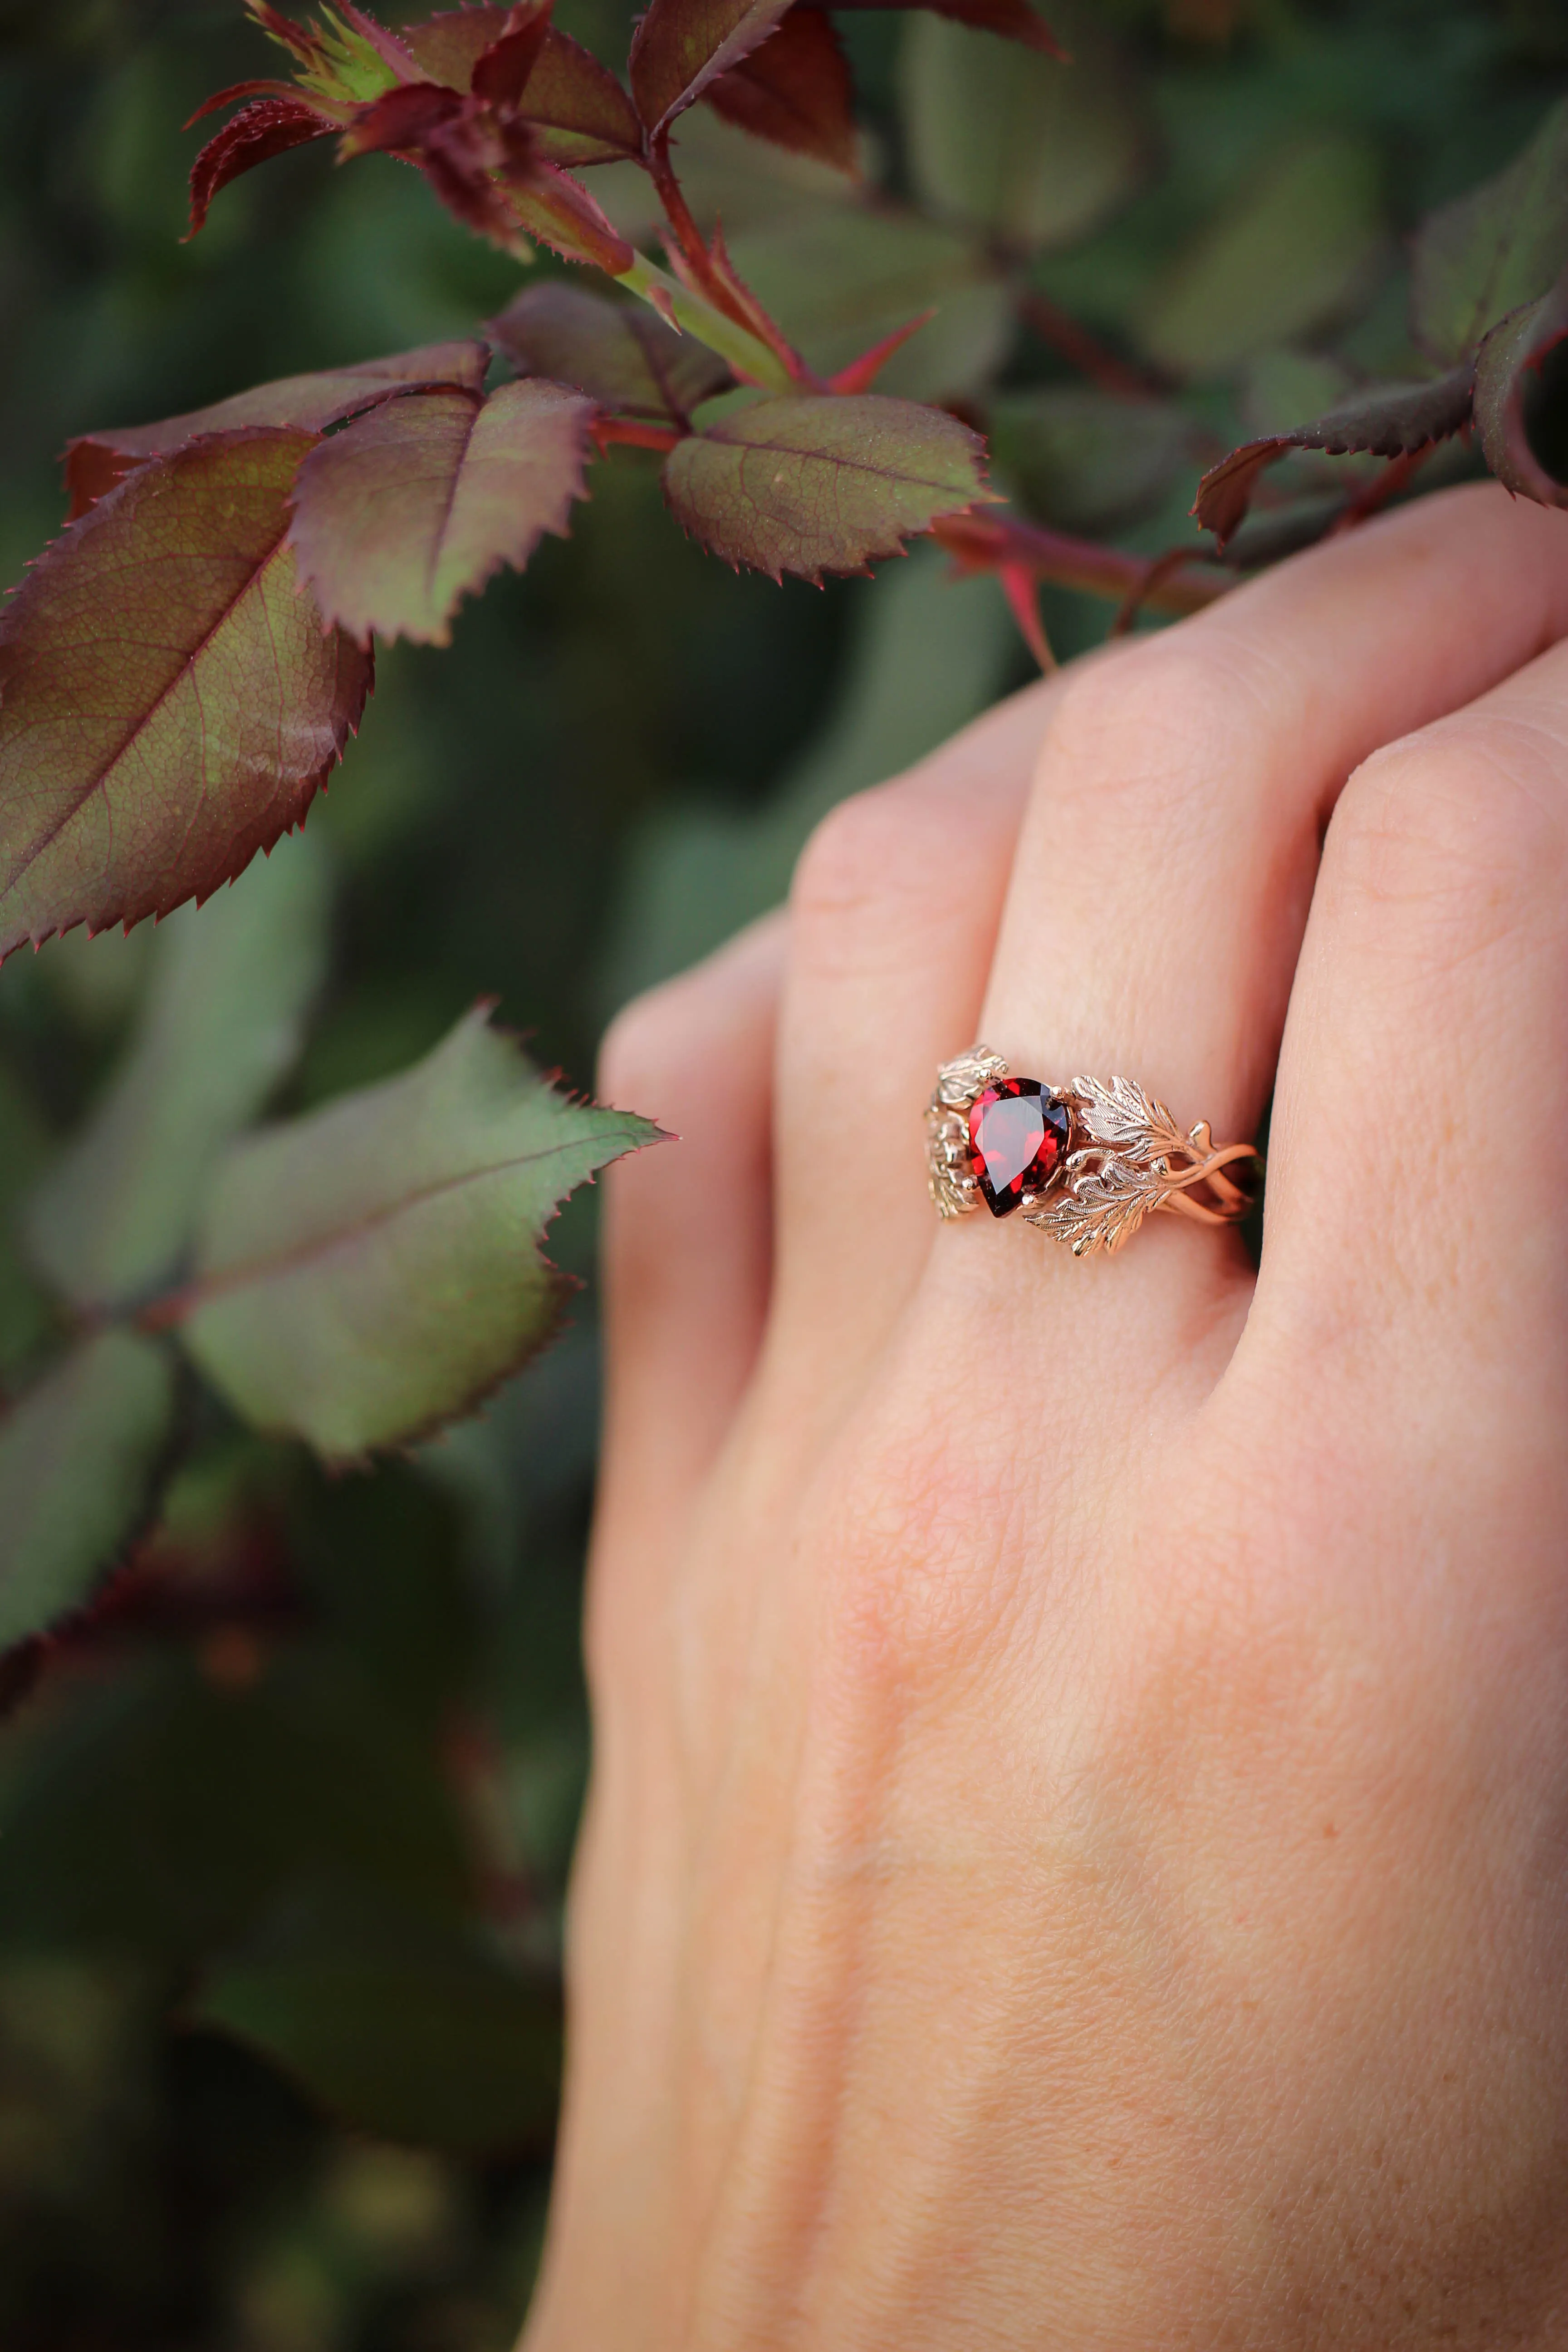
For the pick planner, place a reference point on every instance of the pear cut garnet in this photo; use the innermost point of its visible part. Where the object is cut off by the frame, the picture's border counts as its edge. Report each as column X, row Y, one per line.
column 1017, row 1136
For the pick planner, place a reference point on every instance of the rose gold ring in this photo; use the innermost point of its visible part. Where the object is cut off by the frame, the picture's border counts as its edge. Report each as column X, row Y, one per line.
column 1087, row 1162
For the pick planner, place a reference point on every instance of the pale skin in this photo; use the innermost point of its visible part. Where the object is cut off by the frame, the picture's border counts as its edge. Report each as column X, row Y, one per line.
column 1077, row 1852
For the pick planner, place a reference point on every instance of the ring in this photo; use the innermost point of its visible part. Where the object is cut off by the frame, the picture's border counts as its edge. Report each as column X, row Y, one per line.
column 1087, row 1162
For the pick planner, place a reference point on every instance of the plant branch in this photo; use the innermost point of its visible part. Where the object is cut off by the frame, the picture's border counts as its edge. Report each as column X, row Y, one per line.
column 987, row 542
column 691, row 314
column 717, row 284
column 1084, row 351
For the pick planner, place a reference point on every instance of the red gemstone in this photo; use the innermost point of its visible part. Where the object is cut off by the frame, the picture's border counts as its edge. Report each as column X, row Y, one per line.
column 1017, row 1136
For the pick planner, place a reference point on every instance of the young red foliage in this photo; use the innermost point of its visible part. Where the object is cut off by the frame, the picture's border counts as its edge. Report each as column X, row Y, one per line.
column 406, row 511
column 795, row 91
column 576, row 108
column 680, row 46
column 616, row 352
column 1512, row 395
column 558, row 210
column 1014, row 20
column 96, row 461
column 271, row 127
column 170, row 700
column 812, row 483
column 1387, row 420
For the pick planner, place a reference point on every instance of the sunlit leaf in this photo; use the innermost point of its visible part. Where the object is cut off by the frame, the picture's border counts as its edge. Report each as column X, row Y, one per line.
column 169, row 700
column 1291, row 253
column 795, row 91
column 1031, row 150
column 96, row 461
column 620, row 353
column 403, row 2031
column 221, row 1022
column 1495, row 249
column 810, row 485
column 413, row 508
column 842, row 279
column 369, row 1271
column 1085, row 460
column 1521, row 398
column 1389, row 420
column 681, row 45
column 80, row 1457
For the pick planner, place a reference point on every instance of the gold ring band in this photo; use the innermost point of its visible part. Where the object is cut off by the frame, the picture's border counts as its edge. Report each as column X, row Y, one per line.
column 1087, row 1161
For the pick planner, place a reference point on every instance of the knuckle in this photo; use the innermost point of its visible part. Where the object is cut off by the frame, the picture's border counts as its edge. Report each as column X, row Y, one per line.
column 1142, row 727
column 1454, row 835
column 879, row 849
column 651, row 1041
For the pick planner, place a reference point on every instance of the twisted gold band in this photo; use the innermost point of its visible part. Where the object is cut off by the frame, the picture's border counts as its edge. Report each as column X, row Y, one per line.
column 1087, row 1162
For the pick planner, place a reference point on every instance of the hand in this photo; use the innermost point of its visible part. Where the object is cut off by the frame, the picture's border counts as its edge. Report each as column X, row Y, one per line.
column 1077, row 1854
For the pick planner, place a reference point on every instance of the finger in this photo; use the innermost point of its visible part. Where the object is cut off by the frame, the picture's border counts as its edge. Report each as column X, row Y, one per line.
column 1416, row 1195
column 893, row 920
column 688, row 1228
column 1166, row 864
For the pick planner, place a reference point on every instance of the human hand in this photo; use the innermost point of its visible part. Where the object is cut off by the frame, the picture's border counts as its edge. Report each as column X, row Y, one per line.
column 1076, row 1848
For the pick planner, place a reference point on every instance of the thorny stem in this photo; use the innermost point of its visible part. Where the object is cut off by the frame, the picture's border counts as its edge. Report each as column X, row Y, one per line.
column 984, row 543
column 1084, row 351
column 1381, row 489
column 693, row 251
column 680, row 307
column 634, row 433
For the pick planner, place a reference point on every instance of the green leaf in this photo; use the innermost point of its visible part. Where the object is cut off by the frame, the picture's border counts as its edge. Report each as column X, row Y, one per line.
column 25, row 1145
column 619, row 353
column 840, row 278
column 1085, row 460
column 231, row 985
column 1521, row 398
column 169, row 700
column 369, row 1271
column 1031, row 150
column 809, row 484
column 1492, row 251
column 402, row 514
column 1291, row 253
column 161, row 1811
column 95, row 462
column 80, row 1458
column 928, row 653
column 408, row 2034
column 1390, row 420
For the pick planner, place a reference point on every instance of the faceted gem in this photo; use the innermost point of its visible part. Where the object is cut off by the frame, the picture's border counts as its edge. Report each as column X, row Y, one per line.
column 1017, row 1136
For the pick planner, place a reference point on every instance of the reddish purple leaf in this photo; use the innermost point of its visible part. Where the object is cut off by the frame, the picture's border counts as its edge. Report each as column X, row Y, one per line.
column 682, row 45
column 170, row 700
column 501, row 74
column 1387, row 420
column 401, row 121
column 558, row 210
column 1014, row 20
column 1521, row 398
column 795, row 90
column 447, row 47
column 257, row 132
column 400, row 516
column 95, row 462
column 812, row 483
column 576, row 108
column 618, row 353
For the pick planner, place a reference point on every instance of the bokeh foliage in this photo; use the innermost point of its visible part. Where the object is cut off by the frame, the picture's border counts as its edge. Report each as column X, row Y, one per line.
column 304, row 1783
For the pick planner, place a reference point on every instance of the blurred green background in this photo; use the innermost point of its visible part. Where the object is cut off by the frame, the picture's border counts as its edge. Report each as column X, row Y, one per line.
column 306, row 1781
